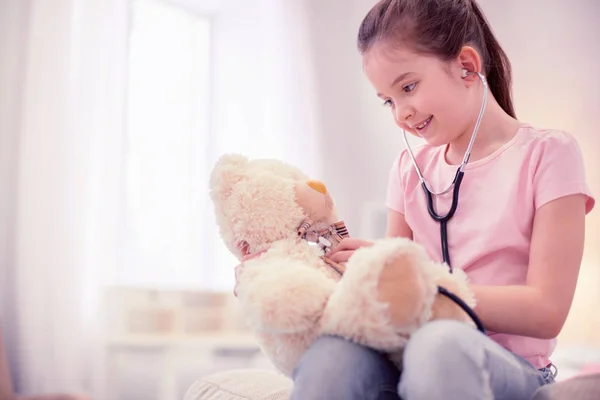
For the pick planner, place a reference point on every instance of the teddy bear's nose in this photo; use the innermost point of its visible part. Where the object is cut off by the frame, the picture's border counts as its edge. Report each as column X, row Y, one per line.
column 318, row 186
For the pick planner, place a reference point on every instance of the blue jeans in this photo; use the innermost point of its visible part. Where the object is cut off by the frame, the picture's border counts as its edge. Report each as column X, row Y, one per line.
column 443, row 360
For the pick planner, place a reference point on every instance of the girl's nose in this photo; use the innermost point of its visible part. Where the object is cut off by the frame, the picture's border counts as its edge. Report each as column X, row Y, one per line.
column 403, row 114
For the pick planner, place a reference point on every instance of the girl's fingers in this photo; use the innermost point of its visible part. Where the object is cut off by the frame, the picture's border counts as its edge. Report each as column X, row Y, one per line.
column 350, row 244
column 340, row 256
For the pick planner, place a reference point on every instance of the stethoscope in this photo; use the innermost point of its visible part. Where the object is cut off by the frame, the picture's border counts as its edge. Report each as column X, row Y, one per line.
column 455, row 187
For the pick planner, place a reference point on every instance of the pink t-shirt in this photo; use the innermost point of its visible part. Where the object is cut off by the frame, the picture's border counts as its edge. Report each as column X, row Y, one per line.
column 490, row 234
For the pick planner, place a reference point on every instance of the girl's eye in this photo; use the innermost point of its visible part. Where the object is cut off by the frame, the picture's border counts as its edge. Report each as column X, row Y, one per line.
column 388, row 103
column 409, row 88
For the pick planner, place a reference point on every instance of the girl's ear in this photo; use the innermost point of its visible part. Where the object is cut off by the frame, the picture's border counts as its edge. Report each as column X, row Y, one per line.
column 470, row 60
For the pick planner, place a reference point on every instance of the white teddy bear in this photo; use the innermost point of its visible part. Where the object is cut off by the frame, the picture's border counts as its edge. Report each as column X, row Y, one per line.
column 281, row 224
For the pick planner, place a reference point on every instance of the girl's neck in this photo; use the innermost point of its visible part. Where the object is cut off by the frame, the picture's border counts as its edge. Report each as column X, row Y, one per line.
column 496, row 129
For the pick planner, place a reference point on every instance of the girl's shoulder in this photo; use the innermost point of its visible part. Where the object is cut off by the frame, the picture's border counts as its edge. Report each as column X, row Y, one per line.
column 555, row 164
column 547, row 147
column 546, row 137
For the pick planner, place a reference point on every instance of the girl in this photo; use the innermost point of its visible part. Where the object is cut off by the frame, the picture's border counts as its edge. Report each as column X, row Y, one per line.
column 518, row 231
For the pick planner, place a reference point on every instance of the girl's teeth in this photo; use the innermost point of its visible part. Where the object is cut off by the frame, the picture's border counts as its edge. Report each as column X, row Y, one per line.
column 424, row 124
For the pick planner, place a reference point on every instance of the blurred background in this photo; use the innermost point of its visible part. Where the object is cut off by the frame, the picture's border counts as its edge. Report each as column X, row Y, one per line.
column 113, row 279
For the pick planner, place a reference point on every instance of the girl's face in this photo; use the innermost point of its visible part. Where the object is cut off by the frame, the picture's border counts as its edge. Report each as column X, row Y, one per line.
column 427, row 96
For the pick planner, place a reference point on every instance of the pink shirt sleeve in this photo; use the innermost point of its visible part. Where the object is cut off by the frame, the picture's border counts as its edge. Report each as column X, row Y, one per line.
column 395, row 188
column 560, row 171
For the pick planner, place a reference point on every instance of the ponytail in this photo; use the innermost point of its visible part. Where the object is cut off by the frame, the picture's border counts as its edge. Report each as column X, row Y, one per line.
column 497, row 65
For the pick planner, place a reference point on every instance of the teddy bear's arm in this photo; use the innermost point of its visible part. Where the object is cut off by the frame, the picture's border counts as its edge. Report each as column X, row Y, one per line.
column 384, row 296
column 282, row 295
column 355, row 313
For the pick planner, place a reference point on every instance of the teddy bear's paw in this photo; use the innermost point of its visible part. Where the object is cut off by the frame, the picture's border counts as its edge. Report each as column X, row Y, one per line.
column 283, row 297
column 406, row 290
column 386, row 293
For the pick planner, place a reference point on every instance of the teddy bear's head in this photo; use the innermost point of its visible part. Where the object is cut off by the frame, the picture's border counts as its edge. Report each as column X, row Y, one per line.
column 258, row 202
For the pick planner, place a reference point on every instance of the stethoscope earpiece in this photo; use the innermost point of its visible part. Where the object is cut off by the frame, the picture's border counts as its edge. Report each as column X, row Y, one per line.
column 464, row 73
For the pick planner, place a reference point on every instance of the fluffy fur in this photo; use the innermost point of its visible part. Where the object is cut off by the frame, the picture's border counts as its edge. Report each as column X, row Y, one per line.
column 290, row 295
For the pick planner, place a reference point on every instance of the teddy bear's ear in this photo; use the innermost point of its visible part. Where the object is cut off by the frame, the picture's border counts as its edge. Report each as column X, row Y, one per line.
column 228, row 170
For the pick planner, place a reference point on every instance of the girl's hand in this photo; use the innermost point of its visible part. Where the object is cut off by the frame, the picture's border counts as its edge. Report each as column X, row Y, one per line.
column 344, row 250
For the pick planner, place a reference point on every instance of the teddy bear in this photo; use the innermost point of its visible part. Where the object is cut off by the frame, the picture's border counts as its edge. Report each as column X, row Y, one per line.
column 280, row 224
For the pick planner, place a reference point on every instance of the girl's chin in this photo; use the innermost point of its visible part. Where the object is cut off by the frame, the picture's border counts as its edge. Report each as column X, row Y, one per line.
column 433, row 139
column 429, row 135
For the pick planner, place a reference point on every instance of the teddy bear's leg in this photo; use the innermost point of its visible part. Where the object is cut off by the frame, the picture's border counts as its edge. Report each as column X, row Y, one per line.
column 385, row 294
column 456, row 283
column 283, row 296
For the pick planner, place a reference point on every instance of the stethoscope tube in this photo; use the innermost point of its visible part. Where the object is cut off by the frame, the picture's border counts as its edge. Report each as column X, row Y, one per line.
column 443, row 219
column 468, row 310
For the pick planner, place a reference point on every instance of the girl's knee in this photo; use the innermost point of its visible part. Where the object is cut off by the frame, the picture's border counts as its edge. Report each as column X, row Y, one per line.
column 441, row 340
column 337, row 368
column 436, row 355
column 333, row 353
column 334, row 349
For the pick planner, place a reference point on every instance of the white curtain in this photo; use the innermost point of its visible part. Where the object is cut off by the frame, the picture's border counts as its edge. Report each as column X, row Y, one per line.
column 62, row 117
column 266, row 100
column 62, row 149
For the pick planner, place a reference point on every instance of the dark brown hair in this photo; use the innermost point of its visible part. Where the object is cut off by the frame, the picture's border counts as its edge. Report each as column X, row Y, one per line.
column 441, row 28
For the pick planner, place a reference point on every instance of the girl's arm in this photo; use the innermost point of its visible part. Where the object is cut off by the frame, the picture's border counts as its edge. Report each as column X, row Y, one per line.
column 540, row 308
column 397, row 226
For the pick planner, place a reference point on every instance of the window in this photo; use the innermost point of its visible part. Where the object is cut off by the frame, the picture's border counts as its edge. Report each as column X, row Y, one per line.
column 167, row 127
column 206, row 77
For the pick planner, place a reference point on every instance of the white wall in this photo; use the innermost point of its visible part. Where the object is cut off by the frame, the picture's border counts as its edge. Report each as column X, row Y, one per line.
column 553, row 48
column 557, row 85
column 360, row 138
